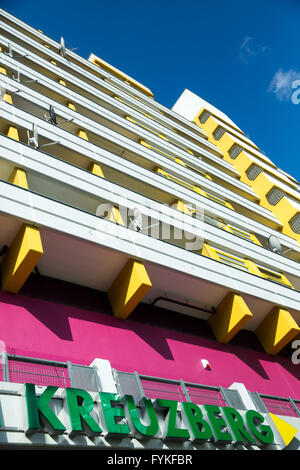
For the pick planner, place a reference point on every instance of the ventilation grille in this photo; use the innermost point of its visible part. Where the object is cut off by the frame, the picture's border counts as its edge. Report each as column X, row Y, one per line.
column 235, row 151
column 204, row 116
column 274, row 196
column 232, row 261
column 295, row 223
column 253, row 172
column 219, row 132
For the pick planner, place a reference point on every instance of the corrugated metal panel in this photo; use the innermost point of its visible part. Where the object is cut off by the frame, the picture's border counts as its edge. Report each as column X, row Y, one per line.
column 295, row 223
column 253, row 172
column 235, row 151
column 274, row 196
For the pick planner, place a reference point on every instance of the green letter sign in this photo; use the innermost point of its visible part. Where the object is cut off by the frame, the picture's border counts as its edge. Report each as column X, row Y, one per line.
column 80, row 405
column 142, row 429
column 38, row 410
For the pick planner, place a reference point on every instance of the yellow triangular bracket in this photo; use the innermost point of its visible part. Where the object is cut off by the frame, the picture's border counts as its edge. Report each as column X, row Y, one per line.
column 286, row 430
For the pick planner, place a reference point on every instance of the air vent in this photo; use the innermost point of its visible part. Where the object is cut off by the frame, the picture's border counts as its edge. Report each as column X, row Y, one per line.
column 295, row 223
column 219, row 132
column 274, row 196
column 204, row 116
column 235, row 151
column 253, row 172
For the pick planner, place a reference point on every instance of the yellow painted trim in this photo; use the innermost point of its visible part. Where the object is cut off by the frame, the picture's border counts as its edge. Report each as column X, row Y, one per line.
column 276, row 330
column 286, row 430
column 242, row 233
column 71, row 105
column 21, row 258
column 177, row 160
column 129, row 288
column 101, row 63
column 133, row 107
column 96, row 169
column 230, row 317
column 145, row 127
column 3, row 69
column 81, row 133
column 208, row 251
column 7, row 97
column 62, row 82
column 273, row 275
column 180, row 206
column 18, row 177
column 115, row 216
column 13, row 133
column 53, row 62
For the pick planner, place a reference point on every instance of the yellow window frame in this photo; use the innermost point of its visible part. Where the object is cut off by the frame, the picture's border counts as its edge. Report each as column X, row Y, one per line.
column 274, row 275
column 177, row 160
column 132, row 107
column 241, row 233
column 146, row 128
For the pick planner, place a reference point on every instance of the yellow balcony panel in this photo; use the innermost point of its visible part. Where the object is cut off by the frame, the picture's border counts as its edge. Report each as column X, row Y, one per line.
column 129, row 288
column 7, row 97
column 96, row 169
column 71, row 106
column 21, row 258
column 231, row 315
column 3, row 69
column 12, row 132
column 276, row 330
column 81, row 133
column 18, row 177
column 241, row 233
column 62, row 82
column 115, row 216
column 180, row 206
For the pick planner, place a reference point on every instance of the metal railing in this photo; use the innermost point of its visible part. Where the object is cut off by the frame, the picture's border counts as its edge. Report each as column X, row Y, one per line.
column 281, row 405
column 140, row 385
column 22, row 369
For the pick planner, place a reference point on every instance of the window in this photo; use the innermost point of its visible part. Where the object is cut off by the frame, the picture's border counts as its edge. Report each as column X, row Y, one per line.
column 295, row 223
column 274, row 196
column 232, row 260
column 253, row 171
column 234, row 151
column 241, row 233
column 204, row 116
column 274, row 276
column 218, row 133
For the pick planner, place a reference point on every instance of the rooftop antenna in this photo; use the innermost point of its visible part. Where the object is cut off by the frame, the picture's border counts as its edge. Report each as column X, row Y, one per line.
column 51, row 117
column 18, row 78
column 63, row 49
column 136, row 222
column 275, row 245
column 10, row 52
column 34, row 139
column 3, row 92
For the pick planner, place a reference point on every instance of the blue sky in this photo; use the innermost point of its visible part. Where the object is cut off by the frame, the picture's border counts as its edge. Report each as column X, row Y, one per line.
column 243, row 57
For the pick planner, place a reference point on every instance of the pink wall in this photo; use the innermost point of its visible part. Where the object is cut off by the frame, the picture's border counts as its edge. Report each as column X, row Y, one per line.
column 43, row 329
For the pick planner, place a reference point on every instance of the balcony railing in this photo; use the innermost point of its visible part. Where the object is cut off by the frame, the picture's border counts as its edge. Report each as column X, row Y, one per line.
column 42, row 372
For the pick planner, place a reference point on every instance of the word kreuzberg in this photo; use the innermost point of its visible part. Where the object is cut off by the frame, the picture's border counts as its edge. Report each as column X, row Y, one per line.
column 121, row 417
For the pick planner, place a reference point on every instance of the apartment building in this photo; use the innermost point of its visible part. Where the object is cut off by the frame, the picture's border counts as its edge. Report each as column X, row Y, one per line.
column 146, row 252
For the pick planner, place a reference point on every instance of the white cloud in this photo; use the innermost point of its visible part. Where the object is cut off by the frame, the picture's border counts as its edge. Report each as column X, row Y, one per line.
column 282, row 83
column 250, row 48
